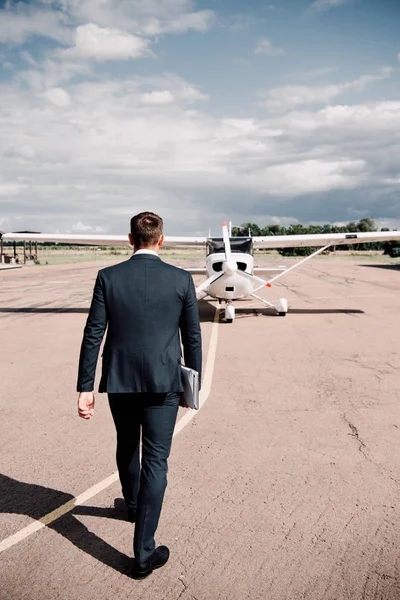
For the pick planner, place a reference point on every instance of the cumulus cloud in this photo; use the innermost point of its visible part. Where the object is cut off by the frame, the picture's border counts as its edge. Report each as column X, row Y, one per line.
column 119, row 155
column 52, row 73
column 158, row 97
column 19, row 22
column 266, row 48
column 103, row 43
column 81, row 228
column 143, row 17
column 167, row 90
column 290, row 96
column 192, row 94
column 58, row 20
column 58, row 97
column 82, row 149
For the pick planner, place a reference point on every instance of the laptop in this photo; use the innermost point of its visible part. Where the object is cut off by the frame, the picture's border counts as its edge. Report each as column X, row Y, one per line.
column 190, row 381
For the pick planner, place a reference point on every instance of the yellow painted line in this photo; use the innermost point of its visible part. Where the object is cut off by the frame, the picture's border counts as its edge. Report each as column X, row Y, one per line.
column 22, row 534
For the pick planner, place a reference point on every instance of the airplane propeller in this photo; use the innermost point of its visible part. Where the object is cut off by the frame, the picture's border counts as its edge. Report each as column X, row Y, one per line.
column 229, row 265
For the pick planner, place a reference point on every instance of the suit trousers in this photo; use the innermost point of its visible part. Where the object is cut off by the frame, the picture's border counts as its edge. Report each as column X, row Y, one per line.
column 153, row 416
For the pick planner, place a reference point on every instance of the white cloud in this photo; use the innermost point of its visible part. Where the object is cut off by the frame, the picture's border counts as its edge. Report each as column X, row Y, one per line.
column 315, row 175
column 81, row 228
column 122, row 145
column 158, row 97
column 82, row 150
column 193, row 94
column 198, row 21
column 52, row 73
column 20, row 22
column 58, row 97
column 266, row 48
column 176, row 90
column 290, row 96
column 92, row 41
column 327, row 4
column 140, row 17
column 58, row 20
column 11, row 189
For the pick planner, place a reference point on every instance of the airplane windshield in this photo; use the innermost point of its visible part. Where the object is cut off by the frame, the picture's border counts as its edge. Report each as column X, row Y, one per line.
column 243, row 245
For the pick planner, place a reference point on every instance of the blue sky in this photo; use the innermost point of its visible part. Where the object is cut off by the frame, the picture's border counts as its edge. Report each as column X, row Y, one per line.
column 285, row 111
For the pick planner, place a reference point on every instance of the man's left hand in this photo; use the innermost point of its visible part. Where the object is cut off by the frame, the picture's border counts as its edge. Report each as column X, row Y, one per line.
column 182, row 402
column 86, row 405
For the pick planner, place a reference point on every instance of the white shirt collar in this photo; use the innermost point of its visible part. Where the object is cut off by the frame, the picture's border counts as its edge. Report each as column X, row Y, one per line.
column 145, row 251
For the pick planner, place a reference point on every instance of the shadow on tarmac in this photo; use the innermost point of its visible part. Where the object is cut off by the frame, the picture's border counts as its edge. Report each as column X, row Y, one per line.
column 206, row 310
column 395, row 267
column 43, row 310
column 269, row 312
column 32, row 500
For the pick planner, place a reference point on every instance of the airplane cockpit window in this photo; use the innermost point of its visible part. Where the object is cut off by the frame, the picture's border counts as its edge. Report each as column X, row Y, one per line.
column 238, row 244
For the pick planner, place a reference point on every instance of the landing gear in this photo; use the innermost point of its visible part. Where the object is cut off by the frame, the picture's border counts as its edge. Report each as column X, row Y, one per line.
column 282, row 307
column 229, row 312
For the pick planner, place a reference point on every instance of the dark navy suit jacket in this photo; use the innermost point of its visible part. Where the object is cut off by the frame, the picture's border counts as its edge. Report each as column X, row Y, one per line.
column 144, row 303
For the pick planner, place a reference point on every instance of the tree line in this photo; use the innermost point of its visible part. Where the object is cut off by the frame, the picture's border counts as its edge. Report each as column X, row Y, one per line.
column 391, row 248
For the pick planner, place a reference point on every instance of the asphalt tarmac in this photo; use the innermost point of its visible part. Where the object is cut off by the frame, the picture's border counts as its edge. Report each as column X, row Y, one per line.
column 284, row 486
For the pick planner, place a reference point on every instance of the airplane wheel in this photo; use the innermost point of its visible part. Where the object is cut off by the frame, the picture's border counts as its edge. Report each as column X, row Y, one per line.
column 282, row 307
column 229, row 312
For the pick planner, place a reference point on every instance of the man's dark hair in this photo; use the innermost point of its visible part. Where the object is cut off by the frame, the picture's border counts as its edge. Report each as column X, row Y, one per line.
column 146, row 229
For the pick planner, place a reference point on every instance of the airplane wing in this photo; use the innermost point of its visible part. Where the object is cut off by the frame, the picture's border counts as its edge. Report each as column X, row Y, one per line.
column 97, row 240
column 270, row 241
column 323, row 239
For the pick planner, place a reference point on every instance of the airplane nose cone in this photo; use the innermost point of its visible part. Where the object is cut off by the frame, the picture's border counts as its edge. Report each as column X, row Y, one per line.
column 229, row 267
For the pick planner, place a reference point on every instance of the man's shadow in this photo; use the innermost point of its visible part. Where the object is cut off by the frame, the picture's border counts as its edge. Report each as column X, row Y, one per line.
column 36, row 501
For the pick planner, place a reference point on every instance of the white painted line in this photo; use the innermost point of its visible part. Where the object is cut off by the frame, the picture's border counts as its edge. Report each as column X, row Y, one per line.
column 14, row 539
column 208, row 376
column 58, row 512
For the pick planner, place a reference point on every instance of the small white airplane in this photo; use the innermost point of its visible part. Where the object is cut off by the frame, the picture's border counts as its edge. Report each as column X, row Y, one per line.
column 229, row 267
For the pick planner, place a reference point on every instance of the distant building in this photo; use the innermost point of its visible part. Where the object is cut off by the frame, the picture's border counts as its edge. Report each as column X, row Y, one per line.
column 6, row 258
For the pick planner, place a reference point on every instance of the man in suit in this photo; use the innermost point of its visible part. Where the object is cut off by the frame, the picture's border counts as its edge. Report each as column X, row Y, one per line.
column 144, row 303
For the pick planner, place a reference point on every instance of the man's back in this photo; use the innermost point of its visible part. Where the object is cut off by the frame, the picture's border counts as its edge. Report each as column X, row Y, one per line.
column 144, row 302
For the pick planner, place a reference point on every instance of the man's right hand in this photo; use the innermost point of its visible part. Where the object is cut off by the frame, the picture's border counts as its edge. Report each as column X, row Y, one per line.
column 86, row 405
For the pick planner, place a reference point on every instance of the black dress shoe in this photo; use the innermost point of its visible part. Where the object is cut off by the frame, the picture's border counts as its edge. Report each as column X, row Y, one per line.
column 158, row 559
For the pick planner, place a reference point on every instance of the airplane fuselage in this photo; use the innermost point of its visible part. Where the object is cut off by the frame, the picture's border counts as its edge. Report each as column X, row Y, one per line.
column 230, row 286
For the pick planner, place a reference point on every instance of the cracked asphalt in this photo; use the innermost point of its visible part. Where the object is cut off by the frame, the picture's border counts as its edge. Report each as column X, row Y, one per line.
column 286, row 484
